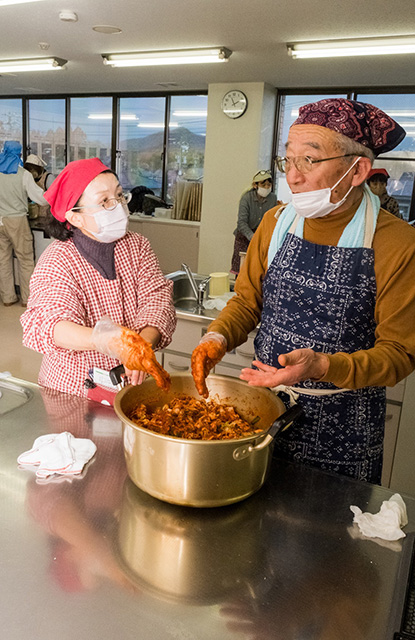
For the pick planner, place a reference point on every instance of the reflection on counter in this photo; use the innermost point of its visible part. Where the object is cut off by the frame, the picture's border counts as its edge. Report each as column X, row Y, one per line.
column 295, row 586
column 188, row 555
column 78, row 514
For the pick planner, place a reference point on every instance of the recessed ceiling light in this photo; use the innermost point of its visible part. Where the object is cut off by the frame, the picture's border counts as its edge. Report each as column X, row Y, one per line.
column 105, row 28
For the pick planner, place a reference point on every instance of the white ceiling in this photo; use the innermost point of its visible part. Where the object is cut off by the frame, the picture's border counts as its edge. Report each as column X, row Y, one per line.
column 255, row 30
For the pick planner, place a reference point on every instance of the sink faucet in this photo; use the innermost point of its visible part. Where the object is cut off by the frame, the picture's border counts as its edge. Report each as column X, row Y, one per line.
column 198, row 290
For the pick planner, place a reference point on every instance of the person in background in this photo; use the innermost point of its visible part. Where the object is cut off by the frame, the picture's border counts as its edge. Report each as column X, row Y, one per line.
column 98, row 297
column 43, row 178
column 330, row 277
column 377, row 181
column 16, row 186
column 37, row 167
column 252, row 206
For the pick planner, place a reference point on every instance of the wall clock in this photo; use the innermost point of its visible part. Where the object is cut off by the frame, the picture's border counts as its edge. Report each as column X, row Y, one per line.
column 234, row 104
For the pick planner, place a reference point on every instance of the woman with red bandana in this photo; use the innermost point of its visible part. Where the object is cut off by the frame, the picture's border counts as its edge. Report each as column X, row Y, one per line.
column 98, row 288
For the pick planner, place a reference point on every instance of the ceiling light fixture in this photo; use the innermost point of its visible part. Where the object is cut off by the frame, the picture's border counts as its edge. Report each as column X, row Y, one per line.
column 356, row 47
column 31, row 64
column 158, row 58
column 3, row 3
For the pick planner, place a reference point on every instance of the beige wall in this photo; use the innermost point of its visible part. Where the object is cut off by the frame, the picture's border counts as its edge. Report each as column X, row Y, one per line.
column 235, row 150
column 403, row 472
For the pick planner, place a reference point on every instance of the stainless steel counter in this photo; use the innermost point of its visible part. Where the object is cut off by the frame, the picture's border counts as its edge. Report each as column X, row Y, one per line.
column 96, row 558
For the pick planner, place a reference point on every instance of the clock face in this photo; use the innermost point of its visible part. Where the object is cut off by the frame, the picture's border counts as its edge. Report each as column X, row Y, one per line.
column 234, row 104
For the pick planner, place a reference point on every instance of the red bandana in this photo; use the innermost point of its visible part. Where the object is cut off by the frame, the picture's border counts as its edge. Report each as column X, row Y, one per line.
column 70, row 184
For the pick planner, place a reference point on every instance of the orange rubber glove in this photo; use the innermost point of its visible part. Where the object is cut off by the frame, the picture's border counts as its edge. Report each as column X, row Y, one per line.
column 210, row 350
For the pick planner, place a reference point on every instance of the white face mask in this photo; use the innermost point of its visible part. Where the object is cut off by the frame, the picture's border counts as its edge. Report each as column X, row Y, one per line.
column 112, row 225
column 263, row 192
column 316, row 204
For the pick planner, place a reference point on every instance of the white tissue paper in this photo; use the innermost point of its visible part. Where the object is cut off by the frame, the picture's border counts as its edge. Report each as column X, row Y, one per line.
column 58, row 453
column 385, row 524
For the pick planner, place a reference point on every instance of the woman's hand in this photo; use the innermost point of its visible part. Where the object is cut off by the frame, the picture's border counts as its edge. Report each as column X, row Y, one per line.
column 132, row 349
column 298, row 365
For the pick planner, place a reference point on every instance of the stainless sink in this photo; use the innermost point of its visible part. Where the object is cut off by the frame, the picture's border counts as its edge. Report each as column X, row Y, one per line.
column 183, row 296
column 12, row 396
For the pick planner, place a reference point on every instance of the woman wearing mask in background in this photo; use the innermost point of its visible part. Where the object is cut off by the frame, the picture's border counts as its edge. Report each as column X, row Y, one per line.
column 97, row 295
column 252, row 206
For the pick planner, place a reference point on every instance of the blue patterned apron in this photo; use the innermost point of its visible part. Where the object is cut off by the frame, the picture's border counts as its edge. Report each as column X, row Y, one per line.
column 323, row 298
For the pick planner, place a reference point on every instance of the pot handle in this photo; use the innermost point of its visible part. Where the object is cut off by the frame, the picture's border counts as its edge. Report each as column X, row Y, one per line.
column 284, row 421
column 116, row 374
column 281, row 423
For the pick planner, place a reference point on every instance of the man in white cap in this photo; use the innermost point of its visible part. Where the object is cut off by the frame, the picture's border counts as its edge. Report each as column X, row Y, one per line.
column 37, row 167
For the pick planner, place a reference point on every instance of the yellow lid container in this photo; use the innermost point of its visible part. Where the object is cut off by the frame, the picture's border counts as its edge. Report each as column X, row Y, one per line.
column 218, row 284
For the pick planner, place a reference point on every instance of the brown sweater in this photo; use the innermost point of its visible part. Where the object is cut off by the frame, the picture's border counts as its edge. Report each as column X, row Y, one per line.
column 393, row 356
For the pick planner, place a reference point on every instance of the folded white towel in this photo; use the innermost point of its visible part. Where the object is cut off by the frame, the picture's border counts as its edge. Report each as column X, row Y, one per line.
column 385, row 524
column 58, row 453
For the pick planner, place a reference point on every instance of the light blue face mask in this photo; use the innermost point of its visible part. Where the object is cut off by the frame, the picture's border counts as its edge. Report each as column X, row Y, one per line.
column 112, row 225
column 316, row 204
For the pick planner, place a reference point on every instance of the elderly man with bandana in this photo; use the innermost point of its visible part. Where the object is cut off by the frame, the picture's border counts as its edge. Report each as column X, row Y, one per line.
column 330, row 279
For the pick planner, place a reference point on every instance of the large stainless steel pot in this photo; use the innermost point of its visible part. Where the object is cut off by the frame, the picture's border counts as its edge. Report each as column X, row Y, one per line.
column 199, row 473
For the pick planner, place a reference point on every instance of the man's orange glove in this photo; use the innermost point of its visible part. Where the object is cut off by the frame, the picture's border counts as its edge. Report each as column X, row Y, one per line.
column 210, row 350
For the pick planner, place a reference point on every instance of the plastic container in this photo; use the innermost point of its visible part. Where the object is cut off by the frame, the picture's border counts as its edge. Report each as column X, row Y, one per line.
column 218, row 284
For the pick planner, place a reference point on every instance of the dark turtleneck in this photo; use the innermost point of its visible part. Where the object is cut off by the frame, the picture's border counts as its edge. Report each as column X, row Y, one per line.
column 99, row 254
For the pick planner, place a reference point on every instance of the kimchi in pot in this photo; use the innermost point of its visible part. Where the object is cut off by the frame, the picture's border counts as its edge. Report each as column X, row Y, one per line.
column 199, row 473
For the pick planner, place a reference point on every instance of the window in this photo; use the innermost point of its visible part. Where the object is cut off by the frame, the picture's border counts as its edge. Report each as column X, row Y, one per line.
column 47, row 132
column 90, row 128
column 186, row 140
column 141, row 143
column 160, row 139
column 11, row 121
column 400, row 162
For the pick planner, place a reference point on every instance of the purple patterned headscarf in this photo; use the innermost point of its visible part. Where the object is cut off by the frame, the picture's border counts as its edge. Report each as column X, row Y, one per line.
column 359, row 121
